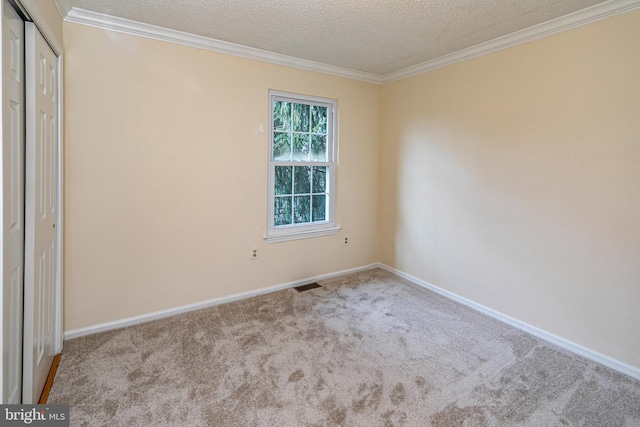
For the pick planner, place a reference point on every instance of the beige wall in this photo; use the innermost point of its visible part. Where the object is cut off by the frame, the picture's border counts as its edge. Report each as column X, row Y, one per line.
column 166, row 167
column 511, row 179
column 514, row 180
column 52, row 16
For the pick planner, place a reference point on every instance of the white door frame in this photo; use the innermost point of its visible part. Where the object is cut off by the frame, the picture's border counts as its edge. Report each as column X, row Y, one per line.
column 31, row 10
column 12, row 203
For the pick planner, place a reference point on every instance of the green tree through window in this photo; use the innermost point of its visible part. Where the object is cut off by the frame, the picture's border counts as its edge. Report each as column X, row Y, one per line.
column 302, row 167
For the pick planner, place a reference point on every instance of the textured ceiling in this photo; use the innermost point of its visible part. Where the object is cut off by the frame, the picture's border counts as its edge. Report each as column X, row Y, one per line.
column 375, row 36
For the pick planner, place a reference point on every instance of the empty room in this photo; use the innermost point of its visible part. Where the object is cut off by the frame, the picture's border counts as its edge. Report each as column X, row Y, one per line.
column 305, row 213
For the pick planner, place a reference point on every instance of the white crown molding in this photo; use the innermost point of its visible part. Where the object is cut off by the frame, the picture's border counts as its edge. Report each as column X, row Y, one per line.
column 64, row 6
column 100, row 20
column 588, row 353
column 563, row 23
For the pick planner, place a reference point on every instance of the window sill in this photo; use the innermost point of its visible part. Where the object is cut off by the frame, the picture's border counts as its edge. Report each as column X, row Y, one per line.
column 302, row 235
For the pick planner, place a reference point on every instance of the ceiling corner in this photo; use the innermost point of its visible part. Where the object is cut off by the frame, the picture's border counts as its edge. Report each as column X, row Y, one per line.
column 582, row 17
column 64, row 6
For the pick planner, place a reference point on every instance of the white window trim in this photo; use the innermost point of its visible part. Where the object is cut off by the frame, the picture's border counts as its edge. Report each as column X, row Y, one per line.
column 316, row 229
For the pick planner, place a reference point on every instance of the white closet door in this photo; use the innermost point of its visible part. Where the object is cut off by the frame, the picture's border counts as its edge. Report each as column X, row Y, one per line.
column 40, row 209
column 12, row 201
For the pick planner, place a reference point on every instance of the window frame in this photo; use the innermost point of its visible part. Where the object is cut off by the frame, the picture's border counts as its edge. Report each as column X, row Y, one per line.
column 283, row 233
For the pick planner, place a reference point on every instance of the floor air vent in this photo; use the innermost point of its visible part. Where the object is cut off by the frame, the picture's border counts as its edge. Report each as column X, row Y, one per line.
column 307, row 287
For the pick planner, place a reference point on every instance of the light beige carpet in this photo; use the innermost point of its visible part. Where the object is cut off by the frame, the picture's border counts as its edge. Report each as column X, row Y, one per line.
column 368, row 349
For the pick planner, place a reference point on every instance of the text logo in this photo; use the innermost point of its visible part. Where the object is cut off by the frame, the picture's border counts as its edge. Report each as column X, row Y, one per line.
column 34, row 415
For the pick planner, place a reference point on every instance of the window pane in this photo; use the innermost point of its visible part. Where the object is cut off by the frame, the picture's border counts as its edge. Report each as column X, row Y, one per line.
column 283, row 180
column 301, row 119
column 318, row 119
column 319, row 207
column 282, row 211
column 301, row 209
column 281, row 115
column 302, row 179
column 301, row 165
column 282, row 146
column 318, row 148
column 300, row 147
column 319, row 179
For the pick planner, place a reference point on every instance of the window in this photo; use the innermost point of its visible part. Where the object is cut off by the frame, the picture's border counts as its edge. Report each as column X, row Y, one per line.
column 302, row 167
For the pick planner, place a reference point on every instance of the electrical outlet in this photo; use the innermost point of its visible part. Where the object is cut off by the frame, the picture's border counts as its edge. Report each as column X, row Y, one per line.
column 255, row 254
column 346, row 241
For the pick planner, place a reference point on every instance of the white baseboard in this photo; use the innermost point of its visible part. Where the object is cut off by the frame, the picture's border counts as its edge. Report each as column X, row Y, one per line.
column 143, row 318
column 607, row 361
